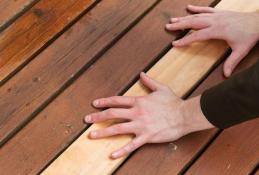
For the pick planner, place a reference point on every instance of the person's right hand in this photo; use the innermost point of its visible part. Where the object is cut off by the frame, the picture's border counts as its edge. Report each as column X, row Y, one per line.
column 239, row 30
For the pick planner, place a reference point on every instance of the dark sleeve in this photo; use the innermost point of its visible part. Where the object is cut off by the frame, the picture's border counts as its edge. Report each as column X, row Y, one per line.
column 233, row 101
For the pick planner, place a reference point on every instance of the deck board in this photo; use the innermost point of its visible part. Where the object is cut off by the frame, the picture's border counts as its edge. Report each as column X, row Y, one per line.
column 34, row 30
column 61, row 121
column 50, row 75
column 53, row 69
column 11, row 9
column 235, row 151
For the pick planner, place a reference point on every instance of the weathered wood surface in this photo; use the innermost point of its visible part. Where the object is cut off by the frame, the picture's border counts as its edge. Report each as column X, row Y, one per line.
column 11, row 9
column 57, row 125
column 170, row 161
column 235, row 152
column 34, row 29
column 58, row 64
column 178, row 65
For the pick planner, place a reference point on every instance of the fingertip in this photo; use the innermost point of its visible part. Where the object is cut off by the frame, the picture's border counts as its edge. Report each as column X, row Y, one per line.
column 189, row 6
column 227, row 71
column 96, row 103
column 88, row 119
column 168, row 26
column 173, row 20
column 143, row 75
column 92, row 135
column 115, row 155
column 176, row 43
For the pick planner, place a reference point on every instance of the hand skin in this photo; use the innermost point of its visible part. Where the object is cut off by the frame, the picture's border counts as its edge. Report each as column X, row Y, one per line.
column 158, row 117
column 239, row 30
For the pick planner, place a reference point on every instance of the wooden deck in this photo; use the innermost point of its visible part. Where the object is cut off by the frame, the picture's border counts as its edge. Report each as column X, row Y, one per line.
column 56, row 56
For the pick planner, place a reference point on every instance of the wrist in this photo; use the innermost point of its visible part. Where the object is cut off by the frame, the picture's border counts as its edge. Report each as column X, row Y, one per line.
column 194, row 119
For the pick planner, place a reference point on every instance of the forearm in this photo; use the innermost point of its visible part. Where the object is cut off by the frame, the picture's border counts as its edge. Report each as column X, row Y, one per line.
column 233, row 101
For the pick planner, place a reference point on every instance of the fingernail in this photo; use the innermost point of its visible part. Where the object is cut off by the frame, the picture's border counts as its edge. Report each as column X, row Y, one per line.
column 93, row 134
column 114, row 155
column 96, row 102
column 175, row 42
column 174, row 19
column 88, row 119
column 167, row 26
column 228, row 72
column 189, row 5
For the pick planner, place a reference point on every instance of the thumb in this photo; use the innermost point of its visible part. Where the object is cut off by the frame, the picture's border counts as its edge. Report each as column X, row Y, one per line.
column 150, row 83
column 232, row 61
column 199, row 35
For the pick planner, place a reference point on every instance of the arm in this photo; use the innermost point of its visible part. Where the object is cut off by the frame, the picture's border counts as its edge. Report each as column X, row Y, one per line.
column 233, row 101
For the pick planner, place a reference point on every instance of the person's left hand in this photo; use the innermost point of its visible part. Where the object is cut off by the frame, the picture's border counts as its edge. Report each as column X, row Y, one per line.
column 155, row 118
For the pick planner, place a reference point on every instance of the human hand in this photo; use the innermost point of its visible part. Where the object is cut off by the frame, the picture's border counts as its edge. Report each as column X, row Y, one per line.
column 158, row 117
column 239, row 30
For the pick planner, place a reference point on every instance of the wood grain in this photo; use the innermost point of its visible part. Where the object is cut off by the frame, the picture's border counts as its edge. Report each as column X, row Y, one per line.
column 48, row 74
column 34, row 29
column 10, row 9
column 170, row 161
column 177, row 66
column 61, row 121
column 235, row 151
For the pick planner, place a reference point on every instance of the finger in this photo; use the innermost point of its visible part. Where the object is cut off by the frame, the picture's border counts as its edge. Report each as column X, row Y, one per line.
column 232, row 61
column 108, row 114
column 188, row 17
column 115, row 101
column 150, row 83
column 124, row 128
column 130, row 147
column 199, row 35
column 191, row 23
column 200, row 9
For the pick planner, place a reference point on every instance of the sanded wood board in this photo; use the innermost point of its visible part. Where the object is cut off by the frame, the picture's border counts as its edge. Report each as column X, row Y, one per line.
column 180, row 68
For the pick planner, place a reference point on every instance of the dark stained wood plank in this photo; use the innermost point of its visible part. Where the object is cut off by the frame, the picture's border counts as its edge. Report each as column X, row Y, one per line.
column 35, row 28
column 235, row 151
column 62, row 120
column 171, row 158
column 11, row 9
column 48, row 74
column 240, row 143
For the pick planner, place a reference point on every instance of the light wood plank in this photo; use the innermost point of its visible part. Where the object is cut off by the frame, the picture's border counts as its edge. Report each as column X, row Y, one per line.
column 180, row 68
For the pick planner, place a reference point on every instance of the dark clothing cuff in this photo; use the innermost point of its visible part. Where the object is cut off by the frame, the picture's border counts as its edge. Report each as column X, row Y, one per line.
column 233, row 101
